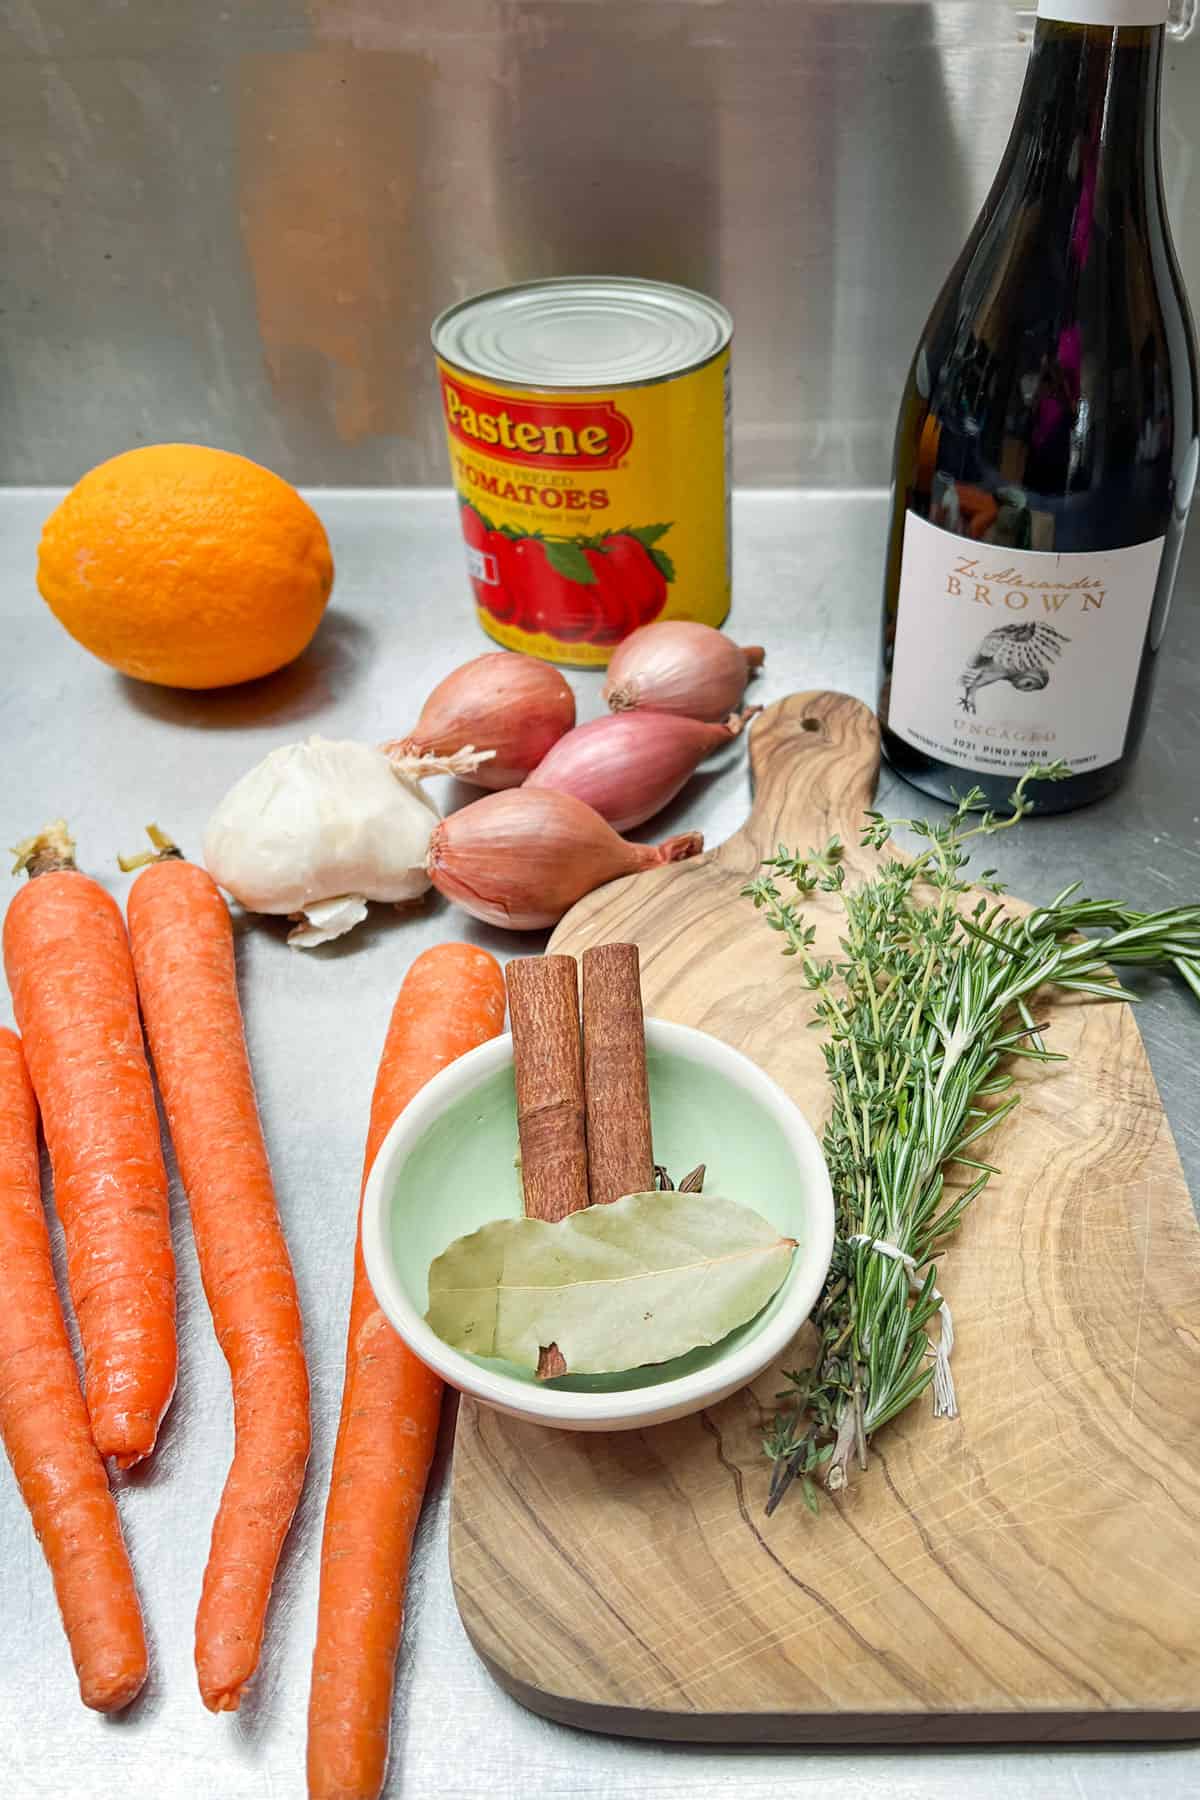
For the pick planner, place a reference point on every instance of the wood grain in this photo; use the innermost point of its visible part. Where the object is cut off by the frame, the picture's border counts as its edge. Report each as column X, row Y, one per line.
column 1025, row 1571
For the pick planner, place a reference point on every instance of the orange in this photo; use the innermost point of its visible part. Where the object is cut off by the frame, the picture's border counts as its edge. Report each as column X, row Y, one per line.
column 186, row 566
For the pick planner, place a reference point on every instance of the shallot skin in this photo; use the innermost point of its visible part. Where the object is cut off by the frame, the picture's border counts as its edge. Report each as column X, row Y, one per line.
column 513, row 705
column 680, row 666
column 629, row 765
column 522, row 858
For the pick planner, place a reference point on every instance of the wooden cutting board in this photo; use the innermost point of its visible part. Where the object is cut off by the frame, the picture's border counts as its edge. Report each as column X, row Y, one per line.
column 1028, row 1570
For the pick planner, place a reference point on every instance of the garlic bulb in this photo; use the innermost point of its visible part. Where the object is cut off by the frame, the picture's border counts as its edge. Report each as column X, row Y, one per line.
column 318, row 829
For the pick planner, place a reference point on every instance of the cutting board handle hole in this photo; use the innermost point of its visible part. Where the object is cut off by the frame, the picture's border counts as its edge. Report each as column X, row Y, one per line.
column 810, row 724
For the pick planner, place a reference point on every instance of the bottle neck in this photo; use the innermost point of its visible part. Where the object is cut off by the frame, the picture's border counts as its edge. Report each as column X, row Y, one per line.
column 1086, row 131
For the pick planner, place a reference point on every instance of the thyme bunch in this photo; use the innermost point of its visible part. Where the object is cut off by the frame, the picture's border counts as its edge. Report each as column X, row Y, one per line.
column 927, row 1016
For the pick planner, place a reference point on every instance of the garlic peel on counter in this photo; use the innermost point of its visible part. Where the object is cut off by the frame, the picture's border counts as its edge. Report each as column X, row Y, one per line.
column 325, row 920
column 317, row 829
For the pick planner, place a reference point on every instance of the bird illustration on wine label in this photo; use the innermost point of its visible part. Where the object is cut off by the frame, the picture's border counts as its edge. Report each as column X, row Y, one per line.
column 1021, row 654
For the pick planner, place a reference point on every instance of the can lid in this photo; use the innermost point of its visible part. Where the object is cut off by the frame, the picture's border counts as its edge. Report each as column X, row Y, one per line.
column 583, row 332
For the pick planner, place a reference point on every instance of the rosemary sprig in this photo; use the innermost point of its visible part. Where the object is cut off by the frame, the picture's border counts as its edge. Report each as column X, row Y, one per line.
column 928, row 1016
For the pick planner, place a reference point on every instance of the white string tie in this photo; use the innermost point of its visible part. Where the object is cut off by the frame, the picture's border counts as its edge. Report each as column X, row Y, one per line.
column 945, row 1401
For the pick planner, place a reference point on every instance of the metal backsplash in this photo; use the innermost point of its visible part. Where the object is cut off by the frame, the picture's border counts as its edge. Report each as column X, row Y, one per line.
column 234, row 224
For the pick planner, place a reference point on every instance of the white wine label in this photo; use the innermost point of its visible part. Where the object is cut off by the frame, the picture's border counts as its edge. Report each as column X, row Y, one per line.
column 1007, row 657
column 1105, row 12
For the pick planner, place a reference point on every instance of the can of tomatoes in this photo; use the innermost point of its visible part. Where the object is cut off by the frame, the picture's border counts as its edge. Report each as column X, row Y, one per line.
column 588, row 424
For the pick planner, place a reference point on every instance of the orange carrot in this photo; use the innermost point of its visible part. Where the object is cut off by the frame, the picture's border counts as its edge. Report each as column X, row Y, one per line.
column 45, row 1427
column 452, row 1000
column 182, row 941
column 69, row 968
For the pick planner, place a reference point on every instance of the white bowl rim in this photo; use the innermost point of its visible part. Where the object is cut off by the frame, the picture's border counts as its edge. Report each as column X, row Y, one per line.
column 680, row 1394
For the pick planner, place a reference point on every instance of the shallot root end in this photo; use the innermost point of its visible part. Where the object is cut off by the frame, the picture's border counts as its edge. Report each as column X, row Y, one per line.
column 419, row 767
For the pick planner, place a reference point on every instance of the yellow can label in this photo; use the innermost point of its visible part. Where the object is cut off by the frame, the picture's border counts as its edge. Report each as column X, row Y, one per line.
column 586, row 515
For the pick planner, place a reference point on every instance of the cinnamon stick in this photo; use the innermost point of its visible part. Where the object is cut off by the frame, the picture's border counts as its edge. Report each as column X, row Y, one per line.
column 543, row 1006
column 620, row 1156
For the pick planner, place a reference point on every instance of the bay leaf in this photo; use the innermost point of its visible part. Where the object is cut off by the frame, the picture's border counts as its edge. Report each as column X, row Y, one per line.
column 638, row 1281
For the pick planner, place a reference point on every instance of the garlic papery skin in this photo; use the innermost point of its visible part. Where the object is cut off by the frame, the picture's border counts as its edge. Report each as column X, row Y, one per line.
column 322, row 821
column 325, row 920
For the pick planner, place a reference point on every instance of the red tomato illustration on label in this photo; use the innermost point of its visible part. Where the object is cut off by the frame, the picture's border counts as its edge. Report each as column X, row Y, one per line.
column 502, row 598
column 548, row 600
column 633, row 582
column 474, row 530
column 577, row 590
column 487, row 562
column 615, row 616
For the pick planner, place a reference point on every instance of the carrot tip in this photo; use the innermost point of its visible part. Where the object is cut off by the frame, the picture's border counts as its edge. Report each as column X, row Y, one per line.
column 111, row 1699
column 51, row 848
column 222, row 1702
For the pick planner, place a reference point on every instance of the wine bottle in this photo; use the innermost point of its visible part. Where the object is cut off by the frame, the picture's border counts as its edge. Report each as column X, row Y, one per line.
column 1047, row 446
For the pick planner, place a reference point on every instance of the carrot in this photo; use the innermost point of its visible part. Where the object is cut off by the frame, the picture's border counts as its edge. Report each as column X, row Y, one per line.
column 182, row 941
column 69, row 968
column 45, row 1426
column 452, row 1000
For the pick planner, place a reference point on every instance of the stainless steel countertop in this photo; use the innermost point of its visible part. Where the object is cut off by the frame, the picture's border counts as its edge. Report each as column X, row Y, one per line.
column 111, row 755
column 817, row 167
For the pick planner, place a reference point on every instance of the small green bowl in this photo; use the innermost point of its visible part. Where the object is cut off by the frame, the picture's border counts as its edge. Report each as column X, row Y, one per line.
column 449, row 1165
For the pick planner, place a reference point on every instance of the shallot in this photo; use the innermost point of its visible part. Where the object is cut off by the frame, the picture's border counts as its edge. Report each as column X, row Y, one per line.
column 317, row 829
column 522, row 858
column 628, row 765
column 678, row 666
column 512, row 705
